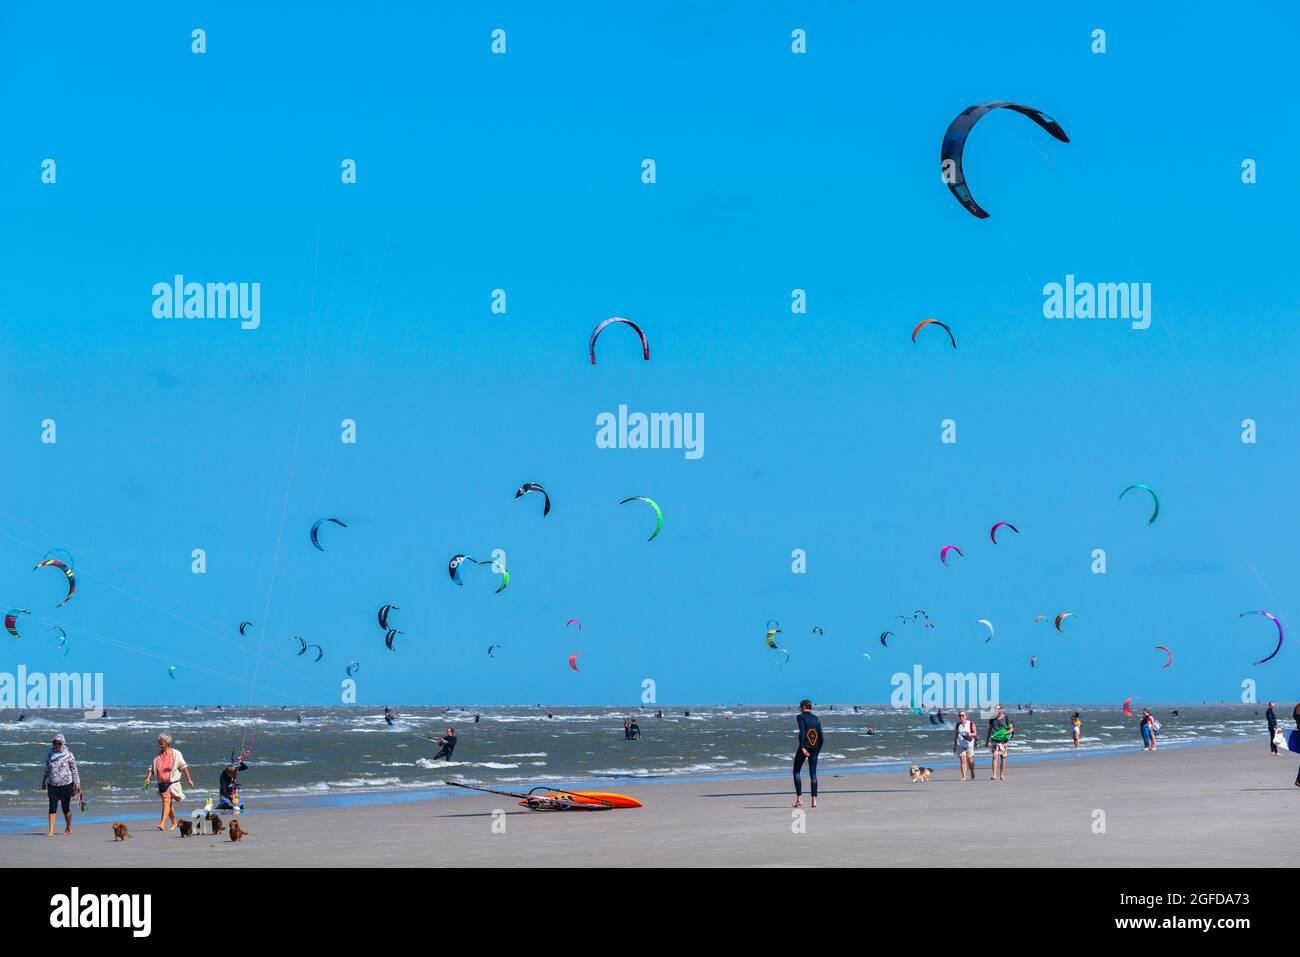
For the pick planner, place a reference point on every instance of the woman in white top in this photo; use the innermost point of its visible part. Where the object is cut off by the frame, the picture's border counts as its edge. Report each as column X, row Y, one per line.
column 167, row 766
column 963, row 744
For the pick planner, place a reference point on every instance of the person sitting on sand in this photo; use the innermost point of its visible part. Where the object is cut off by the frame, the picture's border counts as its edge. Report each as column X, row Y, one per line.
column 167, row 767
column 448, row 745
column 228, row 786
column 61, row 782
column 964, row 736
column 1076, row 725
column 998, row 767
column 809, row 747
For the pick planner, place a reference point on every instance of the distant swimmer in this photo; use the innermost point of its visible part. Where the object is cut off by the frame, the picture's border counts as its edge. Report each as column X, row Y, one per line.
column 809, row 747
column 389, row 714
column 476, row 719
column 300, row 717
column 447, row 745
column 22, row 715
column 688, row 714
column 659, row 713
column 856, row 709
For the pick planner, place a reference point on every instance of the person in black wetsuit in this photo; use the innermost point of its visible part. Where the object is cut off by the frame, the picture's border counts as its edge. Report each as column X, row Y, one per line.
column 634, row 730
column 1296, row 714
column 389, row 714
column 810, row 746
column 1271, row 716
column 447, row 745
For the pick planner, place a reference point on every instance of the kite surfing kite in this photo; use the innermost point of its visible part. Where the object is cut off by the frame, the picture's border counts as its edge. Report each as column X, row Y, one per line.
column 72, row 579
column 244, row 626
column 1038, row 618
column 993, row 532
column 817, row 631
column 885, row 636
column 954, row 145
column 659, row 514
column 573, row 661
column 1154, row 499
column 591, row 343
column 11, row 620
column 773, row 629
column 315, row 530
column 453, row 567
column 572, row 621
column 1128, row 712
column 63, row 640
column 352, row 668
column 320, row 652
column 301, row 641
column 383, row 615
column 552, row 800
column 491, row 649
column 1271, row 618
column 171, row 672
column 943, row 553
column 989, row 625
column 505, row 579
column 1169, row 653
column 389, row 638
column 1061, row 617
column 934, row 322
column 1033, row 661
column 867, row 656
column 534, row 487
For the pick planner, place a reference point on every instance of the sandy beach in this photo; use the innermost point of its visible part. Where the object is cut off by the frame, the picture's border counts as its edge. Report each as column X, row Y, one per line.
column 1213, row 805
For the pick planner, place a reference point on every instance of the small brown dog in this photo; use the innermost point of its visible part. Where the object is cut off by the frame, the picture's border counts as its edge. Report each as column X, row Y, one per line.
column 215, row 821
column 120, row 833
column 920, row 774
column 186, row 827
column 236, row 832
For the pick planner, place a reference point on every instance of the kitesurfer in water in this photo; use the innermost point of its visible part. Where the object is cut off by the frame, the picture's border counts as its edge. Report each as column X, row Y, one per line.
column 809, row 747
column 447, row 744
column 389, row 715
column 634, row 730
column 22, row 715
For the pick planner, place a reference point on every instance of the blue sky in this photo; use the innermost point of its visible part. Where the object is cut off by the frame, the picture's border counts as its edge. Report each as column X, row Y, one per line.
column 522, row 172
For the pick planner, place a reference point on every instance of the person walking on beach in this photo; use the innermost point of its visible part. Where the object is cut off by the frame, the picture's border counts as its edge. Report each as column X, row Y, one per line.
column 1149, row 726
column 167, row 767
column 1296, row 714
column 809, row 747
column 61, row 782
column 447, row 744
column 1271, row 717
column 998, row 749
column 963, row 744
column 1076, row 725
